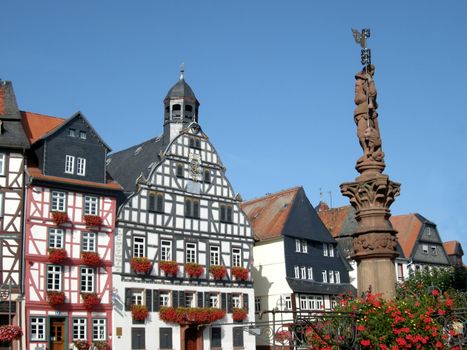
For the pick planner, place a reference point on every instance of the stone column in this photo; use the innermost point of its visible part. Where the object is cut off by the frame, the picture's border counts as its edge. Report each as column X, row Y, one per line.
column 371, row 194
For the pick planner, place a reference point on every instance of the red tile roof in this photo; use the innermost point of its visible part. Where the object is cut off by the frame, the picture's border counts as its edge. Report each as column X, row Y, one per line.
column 451, row 247
column 334, row 218
column 38, row 125
column 269, row 214
column 408, row 228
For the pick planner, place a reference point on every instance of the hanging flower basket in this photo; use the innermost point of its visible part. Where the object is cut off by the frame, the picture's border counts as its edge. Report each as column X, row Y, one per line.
column 57, row 256
column 92, row 220
column 140, row 265
column 60, row 217
column 218, row 271
column 240, row 273
column 238, row 315
column 90, row 259
column 55, row 298
column 191, row 315
column 10, row 332
column 101, row 345
column 139, row 312
column 81, row 344
column 194, row 269
column 90, row 300
column 169, row 267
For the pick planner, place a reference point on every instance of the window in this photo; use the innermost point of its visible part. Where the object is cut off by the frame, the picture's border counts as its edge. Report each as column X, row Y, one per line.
column 236, row 300
column 79, row 329
column 288, row 303
column 214, row 300
column 207, row 176
column 99, row 329
column 311, row 302
column 139, row 246
column 195, row 142
column 433, row 250
column 58, row 201
column 156, row 202
column 69, row 164
column 55, row 238
column 325, row 249
column 257, row 304
column 190, row 254
column 400, row 269
column 165, row 338
column 89, row 242
column 297, row 272
column 164, row 298
column 303, row 270
column 236, row 257
column 81, row 166
column 166, row 250
column 2, row 163
column 82, row 135
column 179, row 170
column 226, row 213
column 325, row 276
column 425, row 249
column 304, row 246
column 214, row 255
column 189, row 299
column 137, row 297
column 216, row 336
column 331, row 250
column 331, row 276
column 191, row 208
column 91, row 205
column 37, row 328
column 338, row 276
column 297, row 246
column 2, row 199
column 237, row 337
column 54, row 277
column 87, row 279
column 310, row 273
column 72, row 132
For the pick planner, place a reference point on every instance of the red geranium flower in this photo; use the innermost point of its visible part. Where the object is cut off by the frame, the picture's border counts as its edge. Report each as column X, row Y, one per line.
column 194, row 269
column 218, row 271
column 191, row 315
column 59, row 217
column 55, row 298
column 90, row 300
column 140, row 264
column 92, row 220
column 239, row 314
column 90, row 259
column 240, row 273
column 139, row 312
column 169, row 267
column 57, row 256
column 10, row 332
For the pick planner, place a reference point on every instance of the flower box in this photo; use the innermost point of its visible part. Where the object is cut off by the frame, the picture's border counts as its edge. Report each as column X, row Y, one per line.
column 139, row 312
column 90, row 300
column 101, row 345
column 218, row 271
column 92, row 220
column 81, row 344
column 60, row 217
column 90, row 259
column 190, row 315
column 140, row 264
column 10, row 332
column 240, row 273
column 55, row 298
column 169, row 267
column 239, row 315
column 194, row 269
column 57, row 256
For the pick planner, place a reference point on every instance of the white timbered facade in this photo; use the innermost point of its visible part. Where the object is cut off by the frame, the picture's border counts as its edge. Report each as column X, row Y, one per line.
column 179, row 207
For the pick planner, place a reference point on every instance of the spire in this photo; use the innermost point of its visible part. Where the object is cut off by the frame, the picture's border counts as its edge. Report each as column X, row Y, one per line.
column 182, row 71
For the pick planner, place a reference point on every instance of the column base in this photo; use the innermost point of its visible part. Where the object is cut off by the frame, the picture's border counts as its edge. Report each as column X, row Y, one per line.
column 377, row 274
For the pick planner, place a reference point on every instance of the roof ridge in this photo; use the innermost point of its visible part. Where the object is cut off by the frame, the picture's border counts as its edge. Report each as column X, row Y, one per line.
column 43, row 115
column 135, row 146
column 257, row 199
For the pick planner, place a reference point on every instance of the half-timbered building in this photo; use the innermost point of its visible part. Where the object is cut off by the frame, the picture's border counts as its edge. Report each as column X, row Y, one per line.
column 183, row 245
column 68, row 245
column 13, row 144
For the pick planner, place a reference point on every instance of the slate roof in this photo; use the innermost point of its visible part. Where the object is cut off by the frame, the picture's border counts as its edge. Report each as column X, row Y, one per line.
column 288, row 213
column 307, row 286
column 127, row 165
column 12, row 133
column 181, row 89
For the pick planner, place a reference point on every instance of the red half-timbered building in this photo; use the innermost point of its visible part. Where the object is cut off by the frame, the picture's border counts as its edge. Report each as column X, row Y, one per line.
column 68, row 244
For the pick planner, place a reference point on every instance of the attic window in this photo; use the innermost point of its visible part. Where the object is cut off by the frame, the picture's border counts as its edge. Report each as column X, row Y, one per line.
column 72, row 132
column 82, row 135
column 138, row 150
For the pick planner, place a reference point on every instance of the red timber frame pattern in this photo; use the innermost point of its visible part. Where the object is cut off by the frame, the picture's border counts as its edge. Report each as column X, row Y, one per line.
column 38, row 223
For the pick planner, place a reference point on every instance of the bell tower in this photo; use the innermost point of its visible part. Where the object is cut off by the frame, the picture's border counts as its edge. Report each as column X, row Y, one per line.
column 180, row 108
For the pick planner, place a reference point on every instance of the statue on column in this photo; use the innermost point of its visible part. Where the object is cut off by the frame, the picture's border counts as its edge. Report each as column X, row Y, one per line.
column 366, row 118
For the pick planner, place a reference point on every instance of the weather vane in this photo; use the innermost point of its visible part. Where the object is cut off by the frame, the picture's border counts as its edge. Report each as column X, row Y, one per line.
column 360, row 38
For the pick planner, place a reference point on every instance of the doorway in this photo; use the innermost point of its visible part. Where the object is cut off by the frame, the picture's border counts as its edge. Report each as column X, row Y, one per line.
column 193, row 339
column 57, row 334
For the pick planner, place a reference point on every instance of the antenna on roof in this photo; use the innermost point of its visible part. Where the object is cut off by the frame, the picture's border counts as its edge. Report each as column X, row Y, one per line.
column 330, row 199
column 182, row 71
column 320, row 194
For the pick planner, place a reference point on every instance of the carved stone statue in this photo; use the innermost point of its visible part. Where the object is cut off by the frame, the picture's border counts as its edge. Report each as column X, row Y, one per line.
column 366, row 118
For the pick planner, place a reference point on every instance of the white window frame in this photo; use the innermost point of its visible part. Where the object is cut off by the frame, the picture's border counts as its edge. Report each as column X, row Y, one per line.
column 214, row 255
column 164, row 298
column 310, row 273
column 72, row 132
column 58, row 201
column 2, row 203
column 297, row 271
column 54, row 277
column 331, row 250
column 166, row 250
column 297, row 245
column 56, row 238
column 303, row 302
column 304, row 246
column 325, row 249
column 190, row 253
column 89, row 242
column 88, row 279
column 139, row 246
column 79, row 329
column 91, row 205
column 69, row 164
column 236, row 300
column 331, row 276
column 325, row 276
column 81, row 166
column 214, row 300
column 303, row 272
column 38, row 330
column 82, row 135
column 288, row 303
column 337, row 276
column 425, row 248
column 434, row 250
column 2, row 164
column 99, row 329
column 190, row 299
column 236, row 257
column 137, row 297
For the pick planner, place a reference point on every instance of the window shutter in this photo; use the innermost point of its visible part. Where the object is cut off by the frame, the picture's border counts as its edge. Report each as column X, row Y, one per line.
column 200, row 299
column 149, row 299
column 155, row 300
column 160, row 203
column 224, row 301
column 237, row 337
column 175, row 299
column 138, row 338
column 195, row 209
column 152, row 199
column 165, row 338
column 127, row 299
column 181, row 299
column 245, row 301
column 229, row 303
column 207, row 297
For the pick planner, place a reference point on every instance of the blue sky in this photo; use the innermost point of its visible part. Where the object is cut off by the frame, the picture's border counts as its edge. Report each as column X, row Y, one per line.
column 275, row 80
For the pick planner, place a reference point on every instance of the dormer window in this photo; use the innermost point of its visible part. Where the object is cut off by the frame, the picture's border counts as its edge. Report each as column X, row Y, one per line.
column 82, row 135
column 72, row 132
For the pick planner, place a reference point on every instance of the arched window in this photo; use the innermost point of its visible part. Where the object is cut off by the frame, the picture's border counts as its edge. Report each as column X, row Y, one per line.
column 188, row 108
column 176, row 107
